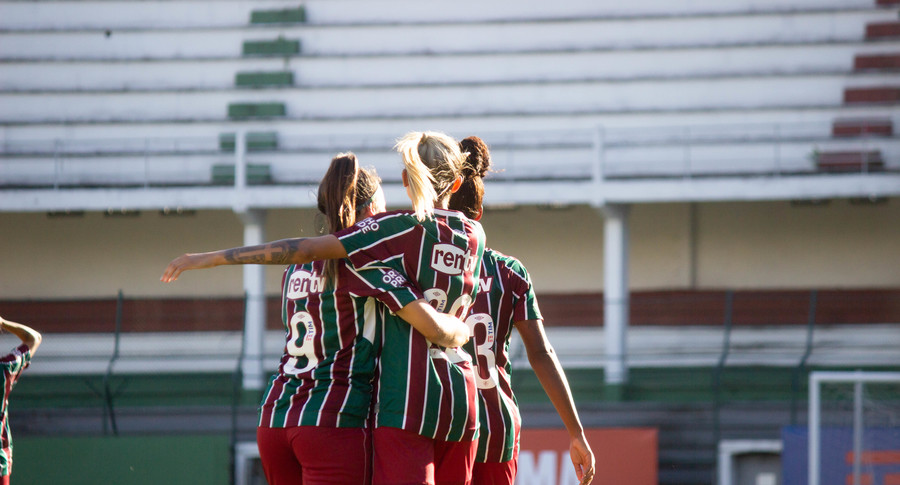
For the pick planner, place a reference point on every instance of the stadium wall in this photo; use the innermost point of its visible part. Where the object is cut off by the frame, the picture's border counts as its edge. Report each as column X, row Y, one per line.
column 712, row 246
column 136, row 460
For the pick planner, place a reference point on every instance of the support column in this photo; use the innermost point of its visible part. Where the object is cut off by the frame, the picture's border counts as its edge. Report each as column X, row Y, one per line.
column 615, row 293
column 255, row 292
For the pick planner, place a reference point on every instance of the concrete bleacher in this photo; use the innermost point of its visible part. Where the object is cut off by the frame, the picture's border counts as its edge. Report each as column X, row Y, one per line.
column 134, row 89
column 116, row 94
column 144, row 353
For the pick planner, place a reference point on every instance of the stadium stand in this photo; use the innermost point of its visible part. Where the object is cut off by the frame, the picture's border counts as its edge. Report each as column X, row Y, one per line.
column 756, row 78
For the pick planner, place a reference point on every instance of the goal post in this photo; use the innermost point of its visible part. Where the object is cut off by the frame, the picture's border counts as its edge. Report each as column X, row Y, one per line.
column 861, row 404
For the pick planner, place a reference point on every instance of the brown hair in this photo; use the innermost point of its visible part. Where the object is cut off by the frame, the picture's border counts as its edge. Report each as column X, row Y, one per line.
column 469, row 197
column 344, row 192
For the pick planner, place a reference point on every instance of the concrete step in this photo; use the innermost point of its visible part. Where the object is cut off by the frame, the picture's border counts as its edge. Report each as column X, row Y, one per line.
column 465, row 37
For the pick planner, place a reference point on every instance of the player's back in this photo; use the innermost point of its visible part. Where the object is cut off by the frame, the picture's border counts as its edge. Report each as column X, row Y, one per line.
column 505, row 296
column 331, row 336
column 421, row 387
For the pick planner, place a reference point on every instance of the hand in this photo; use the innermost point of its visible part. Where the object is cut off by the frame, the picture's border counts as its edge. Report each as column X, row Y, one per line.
column 184, row 263
column 582, row 460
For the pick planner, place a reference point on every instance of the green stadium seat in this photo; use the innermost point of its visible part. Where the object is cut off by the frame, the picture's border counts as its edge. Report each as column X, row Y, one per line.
column 282, row 16
column 257, row 174
column 256, row 141
column 277, row 47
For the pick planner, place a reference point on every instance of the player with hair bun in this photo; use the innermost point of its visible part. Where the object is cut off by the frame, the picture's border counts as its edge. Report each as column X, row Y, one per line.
column 505, row 300
column 426, row 406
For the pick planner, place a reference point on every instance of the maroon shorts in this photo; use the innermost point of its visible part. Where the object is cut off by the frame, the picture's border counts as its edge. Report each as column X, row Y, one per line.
column 405, row 458
column 503, row 473
column 495, row 473
column 313, row 455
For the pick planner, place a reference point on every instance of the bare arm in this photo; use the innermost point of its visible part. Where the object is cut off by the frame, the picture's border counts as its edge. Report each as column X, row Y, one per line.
column 549, row 372
column 440, row 328
column 285, row 251
column 26, row 334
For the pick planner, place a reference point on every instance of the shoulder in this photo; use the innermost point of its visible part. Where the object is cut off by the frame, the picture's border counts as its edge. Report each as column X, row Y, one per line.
column 458, row 219
column 385, row 222
column 400, row 214
column 505, row 260
column 507, row 268
column 18, row 355
column 394, row 217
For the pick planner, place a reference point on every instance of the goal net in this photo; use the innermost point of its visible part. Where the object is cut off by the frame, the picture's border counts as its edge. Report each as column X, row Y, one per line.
column 854, row 428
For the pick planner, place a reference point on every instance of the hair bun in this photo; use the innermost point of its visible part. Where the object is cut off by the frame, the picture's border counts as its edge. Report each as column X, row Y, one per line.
column 478, row 161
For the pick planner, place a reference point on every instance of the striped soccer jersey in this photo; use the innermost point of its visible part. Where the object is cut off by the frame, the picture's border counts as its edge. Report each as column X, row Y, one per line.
column 423, row 388
column 505, row 296
column 13, row 364
column 326, row 373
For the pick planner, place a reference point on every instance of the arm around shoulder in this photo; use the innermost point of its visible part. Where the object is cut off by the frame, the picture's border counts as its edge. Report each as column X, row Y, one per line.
column 439, row 328
column 298, row 250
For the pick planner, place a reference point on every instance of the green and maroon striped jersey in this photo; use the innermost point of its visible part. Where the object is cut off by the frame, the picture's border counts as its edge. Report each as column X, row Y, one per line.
column 326, row 373
column 505, row 296
column 421, row 387
column 13, row 364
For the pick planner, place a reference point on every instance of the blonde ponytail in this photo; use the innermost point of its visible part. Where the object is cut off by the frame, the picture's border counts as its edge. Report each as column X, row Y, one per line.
column 433, row 162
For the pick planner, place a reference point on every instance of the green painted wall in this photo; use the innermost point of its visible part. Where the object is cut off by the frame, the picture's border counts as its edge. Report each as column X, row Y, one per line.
column 132, row 460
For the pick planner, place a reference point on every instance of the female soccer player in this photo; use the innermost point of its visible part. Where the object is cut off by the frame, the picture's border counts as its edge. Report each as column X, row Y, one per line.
column 13, row 364
column 313, row 414
column 505, row 300
column 426, row 415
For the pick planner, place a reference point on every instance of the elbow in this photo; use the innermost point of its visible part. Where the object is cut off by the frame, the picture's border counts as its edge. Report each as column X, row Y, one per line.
column 455, row 337
column 458, row 340
column 296, row 251
column 303, row 255
column 460, row 333
column 35, row 341
column 541, row 355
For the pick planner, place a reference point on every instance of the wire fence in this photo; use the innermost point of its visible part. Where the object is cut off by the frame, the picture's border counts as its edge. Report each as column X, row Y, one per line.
column 136, row 365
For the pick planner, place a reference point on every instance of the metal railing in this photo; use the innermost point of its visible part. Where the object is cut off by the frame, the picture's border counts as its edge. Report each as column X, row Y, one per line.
column 723, row 150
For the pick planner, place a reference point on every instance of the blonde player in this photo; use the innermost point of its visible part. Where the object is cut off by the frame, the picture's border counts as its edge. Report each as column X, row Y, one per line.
column 312, row 419
column 426, row 412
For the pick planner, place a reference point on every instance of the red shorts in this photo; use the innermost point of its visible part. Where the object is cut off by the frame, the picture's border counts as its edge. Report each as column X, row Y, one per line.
column 313, row 455
column 495, row 473
column 503, row 473
column 405, row 458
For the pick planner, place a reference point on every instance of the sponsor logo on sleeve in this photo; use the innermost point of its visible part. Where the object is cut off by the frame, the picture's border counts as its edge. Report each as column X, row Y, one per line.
column 449, row 259
column 394, row 279
column 302, row 283
column 367, row 225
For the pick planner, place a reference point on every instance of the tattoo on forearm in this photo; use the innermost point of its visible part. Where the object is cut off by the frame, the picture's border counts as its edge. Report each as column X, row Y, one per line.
column 278, row 252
